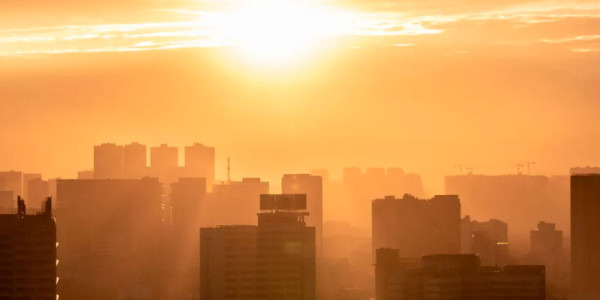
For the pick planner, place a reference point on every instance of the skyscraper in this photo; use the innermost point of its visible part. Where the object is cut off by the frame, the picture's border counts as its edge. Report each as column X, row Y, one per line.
column 417, row 227
column 200, row 162
column 312, row 187
column 134, row 161
column 112, row 237
column 164, row 163
column 228, row 262
column 108, row 161
column 12, row 181
column 28, row 254
column 239, row 196
column 187, row 197
column 286, row 250
column 274, row 260
column 585, row 225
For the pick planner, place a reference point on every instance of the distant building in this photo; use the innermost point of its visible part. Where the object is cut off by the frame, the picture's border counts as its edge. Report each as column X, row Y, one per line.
column 200, row 162
column 108, row 161
column 12, row 181
column 417, row 227
column 457, row 276
column 7, row 200
column 487, row 239
column 38, row 191
column 187, row 197
column 26, row 178
column 274, row 260
column 134, row 161
column 28, row 254
column 85, row 174
column 235, row 196
column 546, row 248
column 112, row 238
column 164, row 162
column 585, row 225
column 501, row 196
column 361, row 187
column 312, row 187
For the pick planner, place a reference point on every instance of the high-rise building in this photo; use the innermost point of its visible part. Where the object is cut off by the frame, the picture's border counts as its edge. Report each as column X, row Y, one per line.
column 487, row 239
column 585, row 245
column 546, row 248
column 12, row 181
column 456, row 276
column 187, row 197
column 228, row 262
column 274, row 260
column 417, row 227
column 235, row 196
column 360, row 188
column 164, row 163
column 312, row 187
column 499, row 196
column 200, row 162
column 38, row 190
column 108, row 161
column 286, row 250
column 28, row 254
column 7, row 200
column 134, row 161
column 112, row 240
column 26, row 178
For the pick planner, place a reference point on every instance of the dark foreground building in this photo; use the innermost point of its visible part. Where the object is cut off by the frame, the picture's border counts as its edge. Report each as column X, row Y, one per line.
column 585, row 245
column 454, row 276
column 28, row 254
column 274, row 260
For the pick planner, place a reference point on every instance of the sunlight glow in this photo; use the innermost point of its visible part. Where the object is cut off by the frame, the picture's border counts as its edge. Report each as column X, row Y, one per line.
column 282, row 31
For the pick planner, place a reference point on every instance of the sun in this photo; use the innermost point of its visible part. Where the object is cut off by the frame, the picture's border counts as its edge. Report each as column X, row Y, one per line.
column 279, row 32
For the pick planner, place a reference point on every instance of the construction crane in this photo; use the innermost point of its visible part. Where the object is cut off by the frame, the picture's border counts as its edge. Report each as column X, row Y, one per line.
column 519, row 167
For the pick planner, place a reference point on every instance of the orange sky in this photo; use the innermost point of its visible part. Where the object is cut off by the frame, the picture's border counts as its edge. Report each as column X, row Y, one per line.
column 423, row 85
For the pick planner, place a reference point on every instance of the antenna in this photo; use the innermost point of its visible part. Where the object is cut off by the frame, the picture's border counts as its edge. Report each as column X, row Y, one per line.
column 228, row 171
column 460, row 169
column 519, row 167
column 529, row 164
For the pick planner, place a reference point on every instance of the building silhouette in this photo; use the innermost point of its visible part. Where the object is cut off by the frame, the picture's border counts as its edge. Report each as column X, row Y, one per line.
column 12, row 181
column 134, row 161
column 454, row 276
column 228, row 262
column 38, row 190
column 312, row 187
column 284, row 262
column 234, row 202
column 112, row 238
column 200, row 162
column 585, row 225
column 359, row 188
column 499, row 196
column 546, row 248
column 417, row 227
column 164, row 162
column 487, row 239
column 108, row 161
column 25, row 186
column 28, row 254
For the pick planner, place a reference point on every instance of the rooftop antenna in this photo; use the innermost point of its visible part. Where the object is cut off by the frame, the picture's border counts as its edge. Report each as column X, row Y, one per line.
column 460, row 169
column 228, row 171
column 519, row 166
column 529, row 164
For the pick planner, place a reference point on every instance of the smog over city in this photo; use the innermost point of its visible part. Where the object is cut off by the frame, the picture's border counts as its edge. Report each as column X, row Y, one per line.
column 299, row 149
